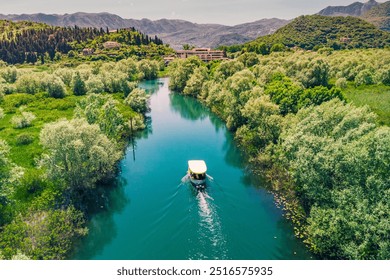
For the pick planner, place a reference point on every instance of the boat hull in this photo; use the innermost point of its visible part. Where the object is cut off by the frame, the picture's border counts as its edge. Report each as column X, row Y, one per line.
column 199, row 184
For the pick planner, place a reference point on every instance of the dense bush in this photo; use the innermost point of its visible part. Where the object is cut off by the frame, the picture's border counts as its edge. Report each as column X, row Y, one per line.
column 43, row 235
column 138, row 101
column 79, row 87
column 28, row 83
column 338, row 160
column 78, row 153
column 55, row 87
column 102, row 110
column 24, row 139
column 24, row 119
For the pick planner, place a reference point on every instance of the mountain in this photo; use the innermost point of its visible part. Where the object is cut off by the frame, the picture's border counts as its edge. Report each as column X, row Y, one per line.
column 355, row 9
column 379, row 16
column 176, row 33
column 312, row 32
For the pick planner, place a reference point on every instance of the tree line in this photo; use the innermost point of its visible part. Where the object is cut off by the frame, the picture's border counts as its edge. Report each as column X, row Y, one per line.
column 39, row 44
column 326, row 160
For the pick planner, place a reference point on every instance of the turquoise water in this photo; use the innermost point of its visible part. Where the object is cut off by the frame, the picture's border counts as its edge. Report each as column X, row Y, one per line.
column 156, row 214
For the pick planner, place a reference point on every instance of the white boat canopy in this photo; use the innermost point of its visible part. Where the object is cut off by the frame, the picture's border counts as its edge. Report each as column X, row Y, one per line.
column 197, row 166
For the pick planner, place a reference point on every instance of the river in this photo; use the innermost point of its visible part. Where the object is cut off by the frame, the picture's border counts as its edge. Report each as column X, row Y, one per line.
column 155, row 214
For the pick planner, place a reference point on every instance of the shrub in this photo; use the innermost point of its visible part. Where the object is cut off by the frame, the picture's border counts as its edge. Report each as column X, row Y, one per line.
column 364, row 77
column 24, row 139
column 341, row 83
column 138, row 101
column 10, row 74
column 7, row 89
column 66, row 75
column 23, row 120
column 385, row 77
column 28, row 83
column 278, row 48
column 94, row 85
column 55, row 87
column 79, row 87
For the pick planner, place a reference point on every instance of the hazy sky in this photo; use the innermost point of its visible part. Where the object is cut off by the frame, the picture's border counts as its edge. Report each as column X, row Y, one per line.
column 227, row 12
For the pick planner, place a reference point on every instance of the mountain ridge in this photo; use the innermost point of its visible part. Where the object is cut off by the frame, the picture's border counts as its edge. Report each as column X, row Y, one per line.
column 175, row 32
column 379, row 16
column 356, row 9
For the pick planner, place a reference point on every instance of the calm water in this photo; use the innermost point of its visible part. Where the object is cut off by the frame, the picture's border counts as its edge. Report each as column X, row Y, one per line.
column 153, row 214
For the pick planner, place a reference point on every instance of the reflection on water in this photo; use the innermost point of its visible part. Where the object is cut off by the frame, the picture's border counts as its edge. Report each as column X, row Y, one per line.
column 102, row 228
column 187, row 108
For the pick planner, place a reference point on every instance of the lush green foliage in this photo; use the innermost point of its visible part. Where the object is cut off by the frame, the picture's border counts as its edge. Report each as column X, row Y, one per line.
column 328, row 160
column 43, row 210
column 31, row 43
column 44, row 235
column 79, row 154
column 314, row 32
column 138, row 101
column 338, row 160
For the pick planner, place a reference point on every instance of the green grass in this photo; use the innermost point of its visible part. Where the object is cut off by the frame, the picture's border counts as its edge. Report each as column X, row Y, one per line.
column 377, row 97
column 45, row 109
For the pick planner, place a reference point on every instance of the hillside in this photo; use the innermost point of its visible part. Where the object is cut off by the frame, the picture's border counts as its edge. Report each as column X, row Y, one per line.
column 176, row 33
column 379, row 16
column 355, row 9
column 312, row 32
column 29, row 42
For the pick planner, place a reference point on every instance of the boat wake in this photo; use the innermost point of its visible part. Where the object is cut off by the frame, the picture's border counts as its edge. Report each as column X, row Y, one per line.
column 210, row 230
column 210, row 234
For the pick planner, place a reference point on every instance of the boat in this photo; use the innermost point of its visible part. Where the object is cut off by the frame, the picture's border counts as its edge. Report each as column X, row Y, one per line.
column 197, row 173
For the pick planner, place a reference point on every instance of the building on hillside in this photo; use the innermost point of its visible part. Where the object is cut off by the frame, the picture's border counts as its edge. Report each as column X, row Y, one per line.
column 111, row 45
column 88, row 51
column 204, row 54
column 345, row 40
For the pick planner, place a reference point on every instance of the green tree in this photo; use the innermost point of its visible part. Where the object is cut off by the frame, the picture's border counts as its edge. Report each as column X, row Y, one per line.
column 277, row 48
column 138, row 101
column 55, row 87
column 194, row 84
column 148, row 69
column 262, row 124
column 10, row 175
column 78, row 153
column 79, row 87
column 102, row 110
column 43, row 235
column 181, row 70
column 315, row 74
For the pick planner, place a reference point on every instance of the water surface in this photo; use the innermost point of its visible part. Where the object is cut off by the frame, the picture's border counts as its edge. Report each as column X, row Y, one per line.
column 155, row 214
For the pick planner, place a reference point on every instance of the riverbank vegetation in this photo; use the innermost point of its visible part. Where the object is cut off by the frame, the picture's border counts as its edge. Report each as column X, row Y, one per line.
column 326, row 159
column 63, row 131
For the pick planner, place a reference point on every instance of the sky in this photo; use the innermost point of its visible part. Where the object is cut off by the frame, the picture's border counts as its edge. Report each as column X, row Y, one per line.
column 228, row 12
